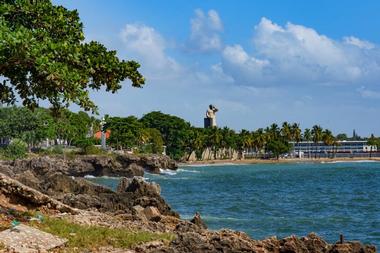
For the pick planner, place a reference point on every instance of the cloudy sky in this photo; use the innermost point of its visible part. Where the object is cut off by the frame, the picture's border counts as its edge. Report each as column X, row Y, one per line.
column 311, row 62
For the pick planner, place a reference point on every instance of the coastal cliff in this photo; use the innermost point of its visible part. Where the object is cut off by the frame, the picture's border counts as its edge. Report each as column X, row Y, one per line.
column 56, row 187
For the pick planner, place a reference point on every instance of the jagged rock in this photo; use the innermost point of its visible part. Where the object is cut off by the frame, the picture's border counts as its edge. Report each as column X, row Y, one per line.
column 153, row 163
column 352, row 247
column 121, row 166
column 197, row 220
column 152, row 213
column 232, row 241
column 23, row 195
column 123, row 184
column 141, row 188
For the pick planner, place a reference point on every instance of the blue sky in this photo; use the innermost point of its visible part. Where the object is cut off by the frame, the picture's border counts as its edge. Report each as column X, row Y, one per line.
column 311, row 62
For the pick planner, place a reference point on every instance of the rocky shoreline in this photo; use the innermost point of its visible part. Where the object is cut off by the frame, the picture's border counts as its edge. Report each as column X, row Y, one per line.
column 56, row 186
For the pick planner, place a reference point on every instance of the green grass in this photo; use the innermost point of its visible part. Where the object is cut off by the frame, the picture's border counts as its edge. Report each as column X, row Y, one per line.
column 92, row 237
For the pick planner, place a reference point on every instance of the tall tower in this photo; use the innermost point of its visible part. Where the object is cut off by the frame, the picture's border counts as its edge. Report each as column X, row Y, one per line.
column 210, row 119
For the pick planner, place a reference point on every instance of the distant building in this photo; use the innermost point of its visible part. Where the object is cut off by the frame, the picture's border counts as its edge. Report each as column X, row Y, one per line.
column 342, row 149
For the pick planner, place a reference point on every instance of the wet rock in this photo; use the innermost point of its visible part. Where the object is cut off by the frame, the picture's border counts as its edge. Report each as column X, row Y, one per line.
column 153, row 163
column 197, row 220
column 141, row 188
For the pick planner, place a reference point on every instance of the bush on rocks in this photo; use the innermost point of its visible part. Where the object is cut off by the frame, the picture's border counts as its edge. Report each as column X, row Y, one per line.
column 15, row 150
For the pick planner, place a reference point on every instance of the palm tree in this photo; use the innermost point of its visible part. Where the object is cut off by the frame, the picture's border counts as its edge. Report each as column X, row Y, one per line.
column 215, row 139
column 307, row 137
column 286, row 131
column 371, row 142
column 246, row 140
column 316, row 133
column 296, row 134
column 328, row 138
column 259, row 140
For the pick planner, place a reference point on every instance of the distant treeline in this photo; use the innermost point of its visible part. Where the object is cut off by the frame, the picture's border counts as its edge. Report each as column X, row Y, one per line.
column 181, row 138
column 154, row 130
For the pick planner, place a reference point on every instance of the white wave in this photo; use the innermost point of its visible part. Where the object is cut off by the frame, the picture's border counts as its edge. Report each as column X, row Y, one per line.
column 188, row 171
column 214, row 218
column 89, row 176
column 168, row 172
column 355, row 161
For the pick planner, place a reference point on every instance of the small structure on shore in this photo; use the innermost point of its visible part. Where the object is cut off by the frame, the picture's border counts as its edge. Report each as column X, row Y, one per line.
column 210, row 119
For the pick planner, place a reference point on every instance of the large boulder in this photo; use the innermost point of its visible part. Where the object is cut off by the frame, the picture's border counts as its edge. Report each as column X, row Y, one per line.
column 19, row 194
column 154, row 163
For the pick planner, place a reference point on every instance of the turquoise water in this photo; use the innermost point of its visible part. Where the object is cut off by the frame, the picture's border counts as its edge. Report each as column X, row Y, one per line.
column 280, row 199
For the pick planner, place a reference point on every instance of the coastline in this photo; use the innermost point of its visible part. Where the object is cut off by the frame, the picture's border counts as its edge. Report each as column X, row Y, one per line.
column 275, row 161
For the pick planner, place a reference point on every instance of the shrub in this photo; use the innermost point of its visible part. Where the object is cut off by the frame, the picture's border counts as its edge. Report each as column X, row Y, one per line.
column 15, row 150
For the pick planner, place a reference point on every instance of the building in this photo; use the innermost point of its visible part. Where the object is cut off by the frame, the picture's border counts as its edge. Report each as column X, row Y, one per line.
column 342, row 149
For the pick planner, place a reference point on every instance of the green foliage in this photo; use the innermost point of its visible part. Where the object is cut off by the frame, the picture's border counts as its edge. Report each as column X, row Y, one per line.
column 278, row 147
column 92, row 237
column 44, row 55
column 87, row 147
column 175, row 131
column 17, row 149
column 34, row 127
column 125, row 132
column 342, row 137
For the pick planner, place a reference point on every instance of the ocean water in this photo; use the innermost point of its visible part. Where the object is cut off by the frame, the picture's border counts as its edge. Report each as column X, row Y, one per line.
column 279, row 199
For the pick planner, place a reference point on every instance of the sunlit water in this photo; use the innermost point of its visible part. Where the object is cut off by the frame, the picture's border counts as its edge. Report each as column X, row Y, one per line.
column 279, row 199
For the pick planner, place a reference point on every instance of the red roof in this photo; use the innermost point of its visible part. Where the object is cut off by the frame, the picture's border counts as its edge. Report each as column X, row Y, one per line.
column 98, row 134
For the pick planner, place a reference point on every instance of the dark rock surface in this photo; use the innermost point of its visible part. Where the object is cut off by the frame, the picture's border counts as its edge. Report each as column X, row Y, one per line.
column 197, row 220
column 113, row 166
column 58, row 178
column 231, row 241
column 15, row 193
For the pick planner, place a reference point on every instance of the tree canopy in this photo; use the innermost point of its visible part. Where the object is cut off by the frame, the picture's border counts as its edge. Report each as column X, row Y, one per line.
column 43, row 56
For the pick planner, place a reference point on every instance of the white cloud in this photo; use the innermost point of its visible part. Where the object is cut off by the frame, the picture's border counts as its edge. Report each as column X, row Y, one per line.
column 295, row 54
column 205, row 31
column 351, row 40
column 149, row 47
column 242, row 67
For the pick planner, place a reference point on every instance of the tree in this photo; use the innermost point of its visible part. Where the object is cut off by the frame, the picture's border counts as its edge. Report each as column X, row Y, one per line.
column 342, row 137
column 316, row 133
column 175, row 132
column 286, row 131
column 44, row 55
column 328, row 138
column 307, row 137
column 296, row 134
column 278, row 147
column 259, row 140
column 126, row 132
column 373, row 141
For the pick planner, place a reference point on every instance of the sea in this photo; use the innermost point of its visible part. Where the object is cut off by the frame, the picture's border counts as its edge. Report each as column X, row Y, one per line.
column 267, row 200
